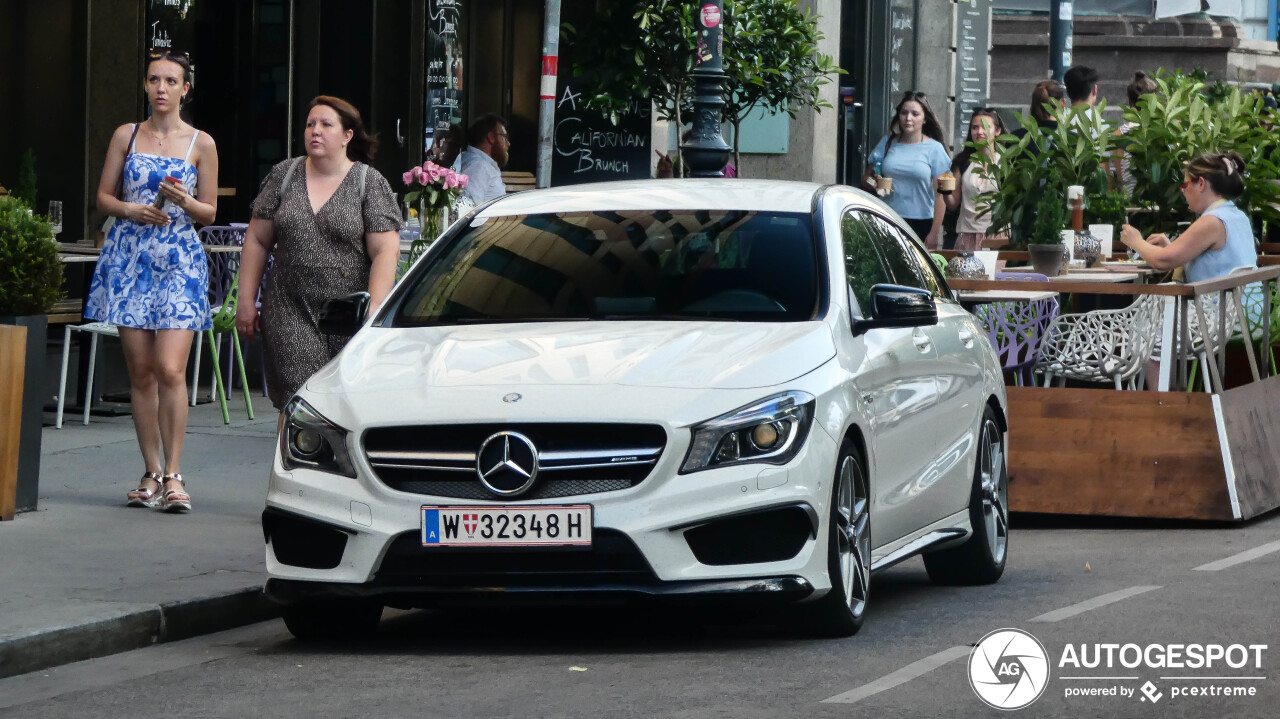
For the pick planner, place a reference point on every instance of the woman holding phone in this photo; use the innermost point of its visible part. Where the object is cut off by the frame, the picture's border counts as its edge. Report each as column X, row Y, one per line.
column 152, row 280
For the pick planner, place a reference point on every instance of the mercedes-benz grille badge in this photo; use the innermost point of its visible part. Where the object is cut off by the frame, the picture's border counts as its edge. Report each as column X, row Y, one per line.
column 507, row 463
column 513, row 397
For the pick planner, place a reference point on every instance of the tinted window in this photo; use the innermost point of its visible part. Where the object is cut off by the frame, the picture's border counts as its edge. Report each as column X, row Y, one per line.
column 719, row 265
column 898, row 256
column 864, row 266
column 924, row 272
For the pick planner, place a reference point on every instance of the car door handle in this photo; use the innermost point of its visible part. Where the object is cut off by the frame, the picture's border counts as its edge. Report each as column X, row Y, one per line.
column 966, row 338
column 921, row 341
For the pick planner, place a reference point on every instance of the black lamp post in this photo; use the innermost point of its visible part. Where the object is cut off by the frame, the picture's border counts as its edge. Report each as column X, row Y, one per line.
column 706, row 151
column 1061, row 27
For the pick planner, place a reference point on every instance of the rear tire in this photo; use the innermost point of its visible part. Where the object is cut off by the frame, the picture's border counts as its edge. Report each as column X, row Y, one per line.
column 318, row 621
column 840, row 612
column 981, row 559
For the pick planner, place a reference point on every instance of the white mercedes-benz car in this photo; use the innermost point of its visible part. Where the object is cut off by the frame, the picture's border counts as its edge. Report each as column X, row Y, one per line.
column 672, row 389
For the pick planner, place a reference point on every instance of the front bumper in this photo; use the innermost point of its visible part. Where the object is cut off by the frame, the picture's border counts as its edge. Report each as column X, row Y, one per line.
column 643, row 546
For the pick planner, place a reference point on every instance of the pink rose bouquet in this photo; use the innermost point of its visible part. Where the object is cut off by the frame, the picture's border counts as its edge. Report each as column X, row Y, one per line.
column 432, row 190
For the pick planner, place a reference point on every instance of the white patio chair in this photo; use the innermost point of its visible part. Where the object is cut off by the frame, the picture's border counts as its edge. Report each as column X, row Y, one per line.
column 96, row 330
column 1102, row 345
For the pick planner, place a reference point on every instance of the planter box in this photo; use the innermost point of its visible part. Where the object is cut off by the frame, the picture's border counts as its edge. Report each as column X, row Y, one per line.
column 31, row 417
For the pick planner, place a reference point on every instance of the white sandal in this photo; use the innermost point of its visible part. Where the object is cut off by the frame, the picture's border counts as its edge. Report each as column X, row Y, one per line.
column 145, row 496
column 175, row 500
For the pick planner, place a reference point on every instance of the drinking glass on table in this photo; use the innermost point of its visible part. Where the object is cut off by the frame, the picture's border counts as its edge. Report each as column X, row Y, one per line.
column 55, row 216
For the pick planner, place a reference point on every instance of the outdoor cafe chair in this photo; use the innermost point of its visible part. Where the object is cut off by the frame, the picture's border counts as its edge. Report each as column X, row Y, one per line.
column 1209, row 305
column 223, row 268
column 96, row 330
column 224, row 321
column 1017, row 329
column 1101, row 345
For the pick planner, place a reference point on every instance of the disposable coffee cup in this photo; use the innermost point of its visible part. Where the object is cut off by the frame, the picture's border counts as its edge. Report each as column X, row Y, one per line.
column 947, row 183
column 884, row 186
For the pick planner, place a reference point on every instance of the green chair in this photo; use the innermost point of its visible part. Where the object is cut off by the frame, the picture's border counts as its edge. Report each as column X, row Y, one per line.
column 224, row 320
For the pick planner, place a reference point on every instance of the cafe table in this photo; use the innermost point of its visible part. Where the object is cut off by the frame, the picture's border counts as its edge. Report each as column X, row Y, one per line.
column 971, row 298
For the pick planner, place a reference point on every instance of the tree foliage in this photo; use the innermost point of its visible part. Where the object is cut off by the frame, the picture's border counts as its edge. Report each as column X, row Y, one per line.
column 646, row 50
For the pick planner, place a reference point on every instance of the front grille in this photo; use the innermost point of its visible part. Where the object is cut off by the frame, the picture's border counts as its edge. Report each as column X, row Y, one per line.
column 573, row 459
column 612, row 559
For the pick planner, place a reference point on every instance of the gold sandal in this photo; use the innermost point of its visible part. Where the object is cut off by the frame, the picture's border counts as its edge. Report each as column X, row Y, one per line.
column 145, row 496
column 175, row 500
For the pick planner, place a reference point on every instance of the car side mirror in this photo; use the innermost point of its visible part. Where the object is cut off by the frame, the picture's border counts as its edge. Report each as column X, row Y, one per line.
column 897, row 306
column 344, row 315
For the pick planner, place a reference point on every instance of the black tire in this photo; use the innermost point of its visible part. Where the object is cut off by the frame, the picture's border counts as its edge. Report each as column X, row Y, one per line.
column 836, row 614
column 981, row 558
column 319, row 621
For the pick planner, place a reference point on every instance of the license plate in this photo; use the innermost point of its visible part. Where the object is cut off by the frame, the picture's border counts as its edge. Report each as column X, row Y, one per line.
column 540, row 526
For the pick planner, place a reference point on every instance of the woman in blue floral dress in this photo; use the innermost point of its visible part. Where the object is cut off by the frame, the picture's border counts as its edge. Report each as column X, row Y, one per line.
column 152, row 278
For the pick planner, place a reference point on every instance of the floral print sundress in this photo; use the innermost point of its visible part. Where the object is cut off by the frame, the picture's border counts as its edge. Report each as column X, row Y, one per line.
column 152, row 277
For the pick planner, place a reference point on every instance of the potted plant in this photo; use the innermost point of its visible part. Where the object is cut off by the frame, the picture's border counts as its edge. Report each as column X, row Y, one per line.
column 30, row 283
column 1185, row 119
column 1045, row 239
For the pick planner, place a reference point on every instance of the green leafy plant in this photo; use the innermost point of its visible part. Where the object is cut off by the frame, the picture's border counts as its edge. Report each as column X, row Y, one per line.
column 1032, row 173
column 30, row 271
column 646, row 51
column 25, row 190
column 1182, row 121
column 1107, row 208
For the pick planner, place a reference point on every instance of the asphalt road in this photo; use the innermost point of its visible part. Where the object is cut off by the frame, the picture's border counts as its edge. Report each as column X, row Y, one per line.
column 1081, row 583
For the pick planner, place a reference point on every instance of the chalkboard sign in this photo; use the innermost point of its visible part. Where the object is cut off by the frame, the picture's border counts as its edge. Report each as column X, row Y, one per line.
column 902, row 49
column 444, row 67
column 973, row 67
column 587, row 147
column 169, row 25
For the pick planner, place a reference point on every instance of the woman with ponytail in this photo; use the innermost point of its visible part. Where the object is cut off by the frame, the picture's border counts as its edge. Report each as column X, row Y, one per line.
column 1221, row 239
column 333, row 223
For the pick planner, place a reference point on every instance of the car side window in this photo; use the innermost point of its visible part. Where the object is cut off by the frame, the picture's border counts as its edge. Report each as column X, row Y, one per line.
column 897, row 255
column 863, row 266
column 925, row 271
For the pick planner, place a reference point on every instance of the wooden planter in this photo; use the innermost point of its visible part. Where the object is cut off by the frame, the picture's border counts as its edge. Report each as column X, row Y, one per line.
column 13, row 358
column 1171, row 455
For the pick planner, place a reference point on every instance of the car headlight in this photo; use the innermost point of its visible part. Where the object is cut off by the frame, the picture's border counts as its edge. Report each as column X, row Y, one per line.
column 770, row 431
column 312, row 441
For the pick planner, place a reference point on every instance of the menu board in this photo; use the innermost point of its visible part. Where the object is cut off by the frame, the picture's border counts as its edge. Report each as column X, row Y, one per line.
column 973, row 65
column 444, row 67
column 170, row 25
column 588, row 147
column 902, row 49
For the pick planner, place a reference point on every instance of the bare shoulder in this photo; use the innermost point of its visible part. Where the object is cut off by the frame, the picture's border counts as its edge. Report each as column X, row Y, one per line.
column 122, row 134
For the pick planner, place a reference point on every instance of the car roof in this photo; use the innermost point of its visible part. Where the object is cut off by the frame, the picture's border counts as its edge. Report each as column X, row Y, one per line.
column 663, row 194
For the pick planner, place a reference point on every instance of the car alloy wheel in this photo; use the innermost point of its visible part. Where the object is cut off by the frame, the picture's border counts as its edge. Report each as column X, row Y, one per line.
column 995, row 489
column 980, row 559
column 852, row 535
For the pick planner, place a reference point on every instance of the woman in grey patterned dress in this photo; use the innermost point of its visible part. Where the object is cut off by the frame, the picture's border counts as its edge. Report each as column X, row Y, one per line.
column 334, row 229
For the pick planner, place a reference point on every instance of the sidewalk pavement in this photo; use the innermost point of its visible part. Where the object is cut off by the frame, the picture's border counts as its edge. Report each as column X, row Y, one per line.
column 84, row 576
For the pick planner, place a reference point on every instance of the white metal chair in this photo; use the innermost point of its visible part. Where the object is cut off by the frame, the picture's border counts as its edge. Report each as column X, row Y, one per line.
column 1102, row 345
column 96, row 330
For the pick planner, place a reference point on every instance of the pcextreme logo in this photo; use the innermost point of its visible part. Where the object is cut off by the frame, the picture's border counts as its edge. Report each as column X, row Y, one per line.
column 1008, row 669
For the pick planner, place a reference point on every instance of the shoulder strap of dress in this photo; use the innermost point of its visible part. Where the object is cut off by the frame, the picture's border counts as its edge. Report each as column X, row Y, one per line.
column 364, row 175
column 288, row 174
column 191, row 146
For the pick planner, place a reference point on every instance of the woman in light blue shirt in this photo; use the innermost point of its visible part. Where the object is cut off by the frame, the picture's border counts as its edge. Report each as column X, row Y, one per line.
column 912, row 155
column 1220, row 240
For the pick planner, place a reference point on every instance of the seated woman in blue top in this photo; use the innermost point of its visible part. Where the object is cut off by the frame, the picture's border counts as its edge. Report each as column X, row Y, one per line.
column 1220, row 240
column 913, row 157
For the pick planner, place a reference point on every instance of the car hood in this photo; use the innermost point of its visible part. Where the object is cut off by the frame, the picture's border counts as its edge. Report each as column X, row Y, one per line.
column 698, row 355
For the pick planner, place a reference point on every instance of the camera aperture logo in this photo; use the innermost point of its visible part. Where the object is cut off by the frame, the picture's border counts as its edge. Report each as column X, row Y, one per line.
column 1008, row 669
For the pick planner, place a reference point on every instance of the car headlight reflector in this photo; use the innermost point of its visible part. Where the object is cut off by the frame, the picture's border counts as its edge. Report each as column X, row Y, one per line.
column 310, row 440
column 770, row 431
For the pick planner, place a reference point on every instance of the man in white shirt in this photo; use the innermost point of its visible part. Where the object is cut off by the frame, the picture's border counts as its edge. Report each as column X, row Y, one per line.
column 484, row 158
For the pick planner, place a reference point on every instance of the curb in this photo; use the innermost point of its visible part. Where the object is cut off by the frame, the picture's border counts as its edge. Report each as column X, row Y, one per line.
column 134, row 627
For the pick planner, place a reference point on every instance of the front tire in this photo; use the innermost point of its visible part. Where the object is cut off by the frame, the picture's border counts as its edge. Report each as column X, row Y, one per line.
column 320, row 621
column 840, row 612
column 981, row 559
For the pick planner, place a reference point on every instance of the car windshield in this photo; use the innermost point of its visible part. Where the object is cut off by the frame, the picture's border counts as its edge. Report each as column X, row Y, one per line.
column 629, row 265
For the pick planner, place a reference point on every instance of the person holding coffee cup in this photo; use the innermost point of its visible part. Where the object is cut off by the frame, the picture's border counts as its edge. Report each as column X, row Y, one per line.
column 906, row 165
column 984, row 127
